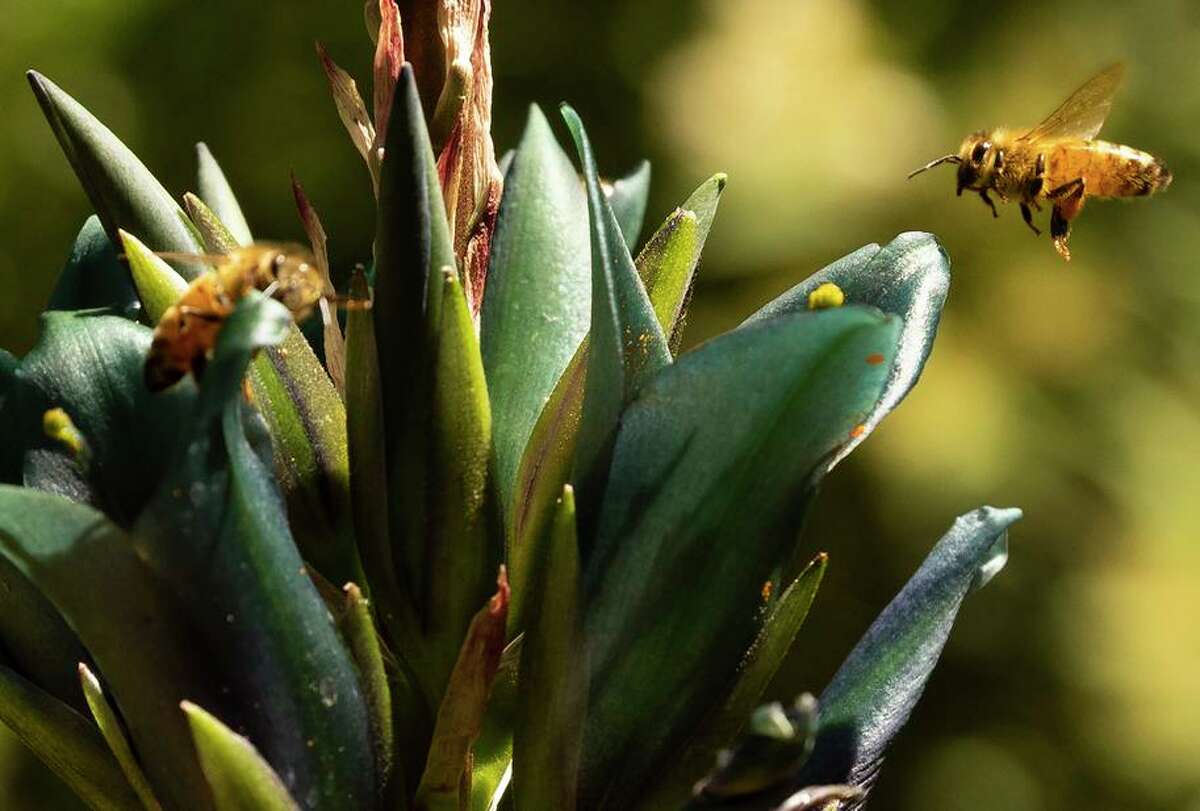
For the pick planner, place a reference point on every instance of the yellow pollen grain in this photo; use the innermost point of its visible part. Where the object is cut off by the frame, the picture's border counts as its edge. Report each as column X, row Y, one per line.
column 826, row 296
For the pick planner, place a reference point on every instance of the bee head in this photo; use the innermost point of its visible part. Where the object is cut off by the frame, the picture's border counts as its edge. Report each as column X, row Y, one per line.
column 977, row 162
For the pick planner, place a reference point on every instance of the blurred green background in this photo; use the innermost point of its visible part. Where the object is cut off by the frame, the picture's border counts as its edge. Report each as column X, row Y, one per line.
column 1069, row 390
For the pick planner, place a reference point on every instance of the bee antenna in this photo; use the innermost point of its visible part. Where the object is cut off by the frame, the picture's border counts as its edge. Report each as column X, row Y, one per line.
column 936, row 162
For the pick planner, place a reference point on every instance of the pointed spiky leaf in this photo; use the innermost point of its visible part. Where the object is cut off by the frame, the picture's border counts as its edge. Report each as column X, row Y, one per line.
column 236, row 566
column 114, row 734
column 628, row 196
column 66, row 742
column 239, row 777
column 214, row 189
column 548, row 732
column 538, row 293
column 728, row 442
column 121, row 188
column 94, row 276
column 132, row 625
column 626, row 345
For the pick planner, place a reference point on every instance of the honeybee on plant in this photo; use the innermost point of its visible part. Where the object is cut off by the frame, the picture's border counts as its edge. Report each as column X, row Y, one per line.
column 1059, row 162
column 188, row 330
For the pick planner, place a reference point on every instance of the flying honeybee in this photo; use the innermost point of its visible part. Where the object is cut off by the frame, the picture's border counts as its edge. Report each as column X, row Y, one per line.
column 188, row 330
column 1059, row 161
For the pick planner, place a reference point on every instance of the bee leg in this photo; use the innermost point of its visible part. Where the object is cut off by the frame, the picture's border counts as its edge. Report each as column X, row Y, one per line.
column 1027, row 215
column 991, row 204
column 1068, row 202
column 1071, row 187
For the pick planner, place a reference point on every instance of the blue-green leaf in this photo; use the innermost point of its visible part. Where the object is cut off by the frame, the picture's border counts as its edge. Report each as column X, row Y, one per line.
column 90, row 365
column 94, row 276
column 628, row 196
column 538, row 293
column 215, row 191
column 785, row 616
column 874, row 691
column 122, row 190
column 910, row 277
column 726, row 443
column 626, row 345
column 217, row 532
column 131, row 623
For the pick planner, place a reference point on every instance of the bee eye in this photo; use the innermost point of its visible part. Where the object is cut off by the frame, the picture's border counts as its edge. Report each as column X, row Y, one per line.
column 979, row 151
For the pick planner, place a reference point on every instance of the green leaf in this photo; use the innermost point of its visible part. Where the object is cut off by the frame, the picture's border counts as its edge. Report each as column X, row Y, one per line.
column 217, row 194
column 785, row 617
column 36, row 640
column 726, row 443
column 538, row 293
column 626, row 345
column 412, row 248
column 627, row 196
column 461, row 557
column 874, row 691
column 545, row 468
column 460, row 716
column 306, row 419
column 121, row 188
column 90, row 365
column 235, row 565
column 114, row 734
column 66, row 742
column 668, row 262
column 492, row 754
column 910, row 278
column 133, row 627
column 94, row 276
column 548, row 733
column 240, row 779
column 158, row 285
column 217, row 238
column 359, row 632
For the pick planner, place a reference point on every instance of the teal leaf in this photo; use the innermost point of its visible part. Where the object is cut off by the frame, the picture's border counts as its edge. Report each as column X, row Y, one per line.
column 66, row 742
column 134, row 627
column 726, row 443
column 910, row 278
column 538, row 293
column 627, row 196
column 123, row 191
column 90, row 365
column 217, row 194
column 626, row 345
column 217, row 532
column 874, row 691
column 239, row 777
column 785, row 617
column 94, row 277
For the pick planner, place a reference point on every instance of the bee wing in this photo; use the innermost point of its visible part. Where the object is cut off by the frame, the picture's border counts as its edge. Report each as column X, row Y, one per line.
column 1084, row 112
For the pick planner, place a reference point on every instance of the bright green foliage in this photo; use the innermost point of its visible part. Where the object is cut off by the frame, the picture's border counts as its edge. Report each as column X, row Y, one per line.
column 257, row 590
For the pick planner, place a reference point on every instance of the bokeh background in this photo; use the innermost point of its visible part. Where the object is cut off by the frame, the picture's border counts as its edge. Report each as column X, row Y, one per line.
column 1071, row 391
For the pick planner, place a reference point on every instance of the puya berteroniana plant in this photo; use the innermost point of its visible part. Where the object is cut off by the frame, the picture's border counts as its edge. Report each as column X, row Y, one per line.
column 487, row 540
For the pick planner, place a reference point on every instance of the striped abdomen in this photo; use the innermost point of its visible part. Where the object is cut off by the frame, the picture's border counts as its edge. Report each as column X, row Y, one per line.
column 1110, row 170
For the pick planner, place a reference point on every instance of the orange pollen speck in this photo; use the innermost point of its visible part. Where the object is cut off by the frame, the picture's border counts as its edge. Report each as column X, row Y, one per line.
column 767, row 589
column 875, row 359
column 857, row 431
